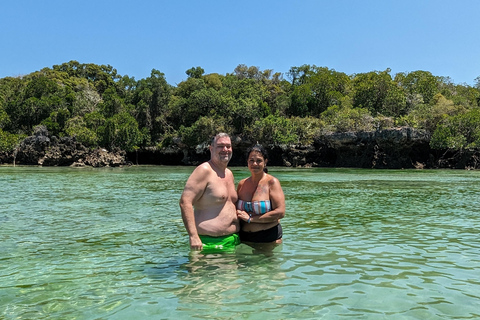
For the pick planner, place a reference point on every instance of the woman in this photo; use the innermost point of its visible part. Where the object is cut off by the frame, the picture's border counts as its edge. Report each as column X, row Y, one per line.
column 261, row 202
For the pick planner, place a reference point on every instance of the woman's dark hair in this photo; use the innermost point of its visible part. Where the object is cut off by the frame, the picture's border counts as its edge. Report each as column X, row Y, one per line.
column 260, row 149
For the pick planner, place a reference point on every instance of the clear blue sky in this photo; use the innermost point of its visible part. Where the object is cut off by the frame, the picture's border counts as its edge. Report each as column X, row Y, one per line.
column 355, row 36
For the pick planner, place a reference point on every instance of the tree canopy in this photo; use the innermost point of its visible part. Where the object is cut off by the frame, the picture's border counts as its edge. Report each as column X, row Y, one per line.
column 102, row 108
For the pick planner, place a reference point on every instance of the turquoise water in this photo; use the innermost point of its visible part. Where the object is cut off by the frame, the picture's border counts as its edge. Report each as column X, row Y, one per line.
column 82, row 243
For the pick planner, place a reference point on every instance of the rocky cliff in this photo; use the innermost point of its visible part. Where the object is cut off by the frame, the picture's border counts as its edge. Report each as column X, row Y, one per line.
column 395, row 148
column 45, row 150
column 384, row 149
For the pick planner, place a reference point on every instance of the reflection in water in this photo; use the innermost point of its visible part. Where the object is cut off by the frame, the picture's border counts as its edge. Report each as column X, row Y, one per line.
column 218, row 285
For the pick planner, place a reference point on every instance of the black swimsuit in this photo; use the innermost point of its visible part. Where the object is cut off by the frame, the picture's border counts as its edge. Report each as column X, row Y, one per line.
column 262, row 236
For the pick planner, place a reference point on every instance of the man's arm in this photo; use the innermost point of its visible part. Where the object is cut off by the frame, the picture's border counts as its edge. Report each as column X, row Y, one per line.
column 193, row 191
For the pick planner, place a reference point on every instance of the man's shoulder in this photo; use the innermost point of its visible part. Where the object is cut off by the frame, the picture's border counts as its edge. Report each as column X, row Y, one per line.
column 205, row 166
column 203, row 169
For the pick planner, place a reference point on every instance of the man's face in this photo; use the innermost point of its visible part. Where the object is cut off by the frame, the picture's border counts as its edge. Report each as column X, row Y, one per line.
column 222, row 149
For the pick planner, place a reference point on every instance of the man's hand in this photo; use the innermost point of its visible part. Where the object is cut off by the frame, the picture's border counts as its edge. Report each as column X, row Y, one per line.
column 196, row 243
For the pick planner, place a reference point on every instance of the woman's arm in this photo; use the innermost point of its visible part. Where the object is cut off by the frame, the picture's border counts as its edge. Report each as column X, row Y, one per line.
column 277, row 198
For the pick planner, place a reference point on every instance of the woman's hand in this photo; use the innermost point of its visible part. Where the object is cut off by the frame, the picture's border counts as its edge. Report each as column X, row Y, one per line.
column 243, row 215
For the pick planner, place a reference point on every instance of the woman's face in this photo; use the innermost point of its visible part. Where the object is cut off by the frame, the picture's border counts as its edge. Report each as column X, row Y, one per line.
column 256, row 162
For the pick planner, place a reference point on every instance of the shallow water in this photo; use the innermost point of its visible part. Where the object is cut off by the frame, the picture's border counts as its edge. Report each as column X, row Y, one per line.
column 83, row 243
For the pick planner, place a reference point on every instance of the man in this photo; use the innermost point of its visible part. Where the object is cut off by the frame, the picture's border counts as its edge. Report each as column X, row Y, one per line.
column 208, row 201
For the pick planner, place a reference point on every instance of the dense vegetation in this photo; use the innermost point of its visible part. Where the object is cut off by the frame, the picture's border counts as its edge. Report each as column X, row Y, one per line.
column 103, row 108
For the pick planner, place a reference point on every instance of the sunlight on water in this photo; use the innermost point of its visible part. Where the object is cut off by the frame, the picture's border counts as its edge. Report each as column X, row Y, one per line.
column 358, row 244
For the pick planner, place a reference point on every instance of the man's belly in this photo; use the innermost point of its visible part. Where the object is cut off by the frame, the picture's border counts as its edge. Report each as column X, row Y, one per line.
column 221, row 224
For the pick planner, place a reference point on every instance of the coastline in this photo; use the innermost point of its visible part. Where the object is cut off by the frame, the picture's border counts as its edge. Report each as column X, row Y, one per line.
column 397, row 148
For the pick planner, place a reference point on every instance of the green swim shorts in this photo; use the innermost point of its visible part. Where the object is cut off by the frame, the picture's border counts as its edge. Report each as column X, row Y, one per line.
column 220, row 244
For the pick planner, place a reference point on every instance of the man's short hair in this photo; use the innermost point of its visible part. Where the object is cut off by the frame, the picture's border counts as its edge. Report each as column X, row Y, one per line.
column 218, row 136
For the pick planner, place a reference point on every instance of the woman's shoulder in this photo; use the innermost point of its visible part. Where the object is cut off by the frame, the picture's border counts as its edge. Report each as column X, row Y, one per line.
column 241, row 182
column 270, row 177
column 272, row 180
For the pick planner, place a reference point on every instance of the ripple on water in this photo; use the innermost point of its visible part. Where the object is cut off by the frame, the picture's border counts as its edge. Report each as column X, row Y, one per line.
column 361, row 244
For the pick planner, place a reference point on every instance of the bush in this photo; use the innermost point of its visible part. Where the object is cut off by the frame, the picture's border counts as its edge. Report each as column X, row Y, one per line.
column 121, row 131
column 458, row 132
column 307, row 129
column 427, row 117
column 203, row 130
column 345, row 119
column 76, row 127
column 273, row 130
column 8, row 141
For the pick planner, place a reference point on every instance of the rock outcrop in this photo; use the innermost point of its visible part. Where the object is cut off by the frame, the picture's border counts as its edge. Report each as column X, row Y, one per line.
column 392, row 148
column 395, row 148
column 45, row 150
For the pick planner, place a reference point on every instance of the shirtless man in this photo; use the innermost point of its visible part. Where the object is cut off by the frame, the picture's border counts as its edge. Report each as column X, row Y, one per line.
column 208, row 201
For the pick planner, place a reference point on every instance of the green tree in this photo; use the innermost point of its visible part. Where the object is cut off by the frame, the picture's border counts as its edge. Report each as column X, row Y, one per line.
column 37, row 97
column 272, row 130
column 421, row 83
column 77, row 127
column 307, row 129
column 213, row 80
column 378, row 93
column 8, row 141
column 458, row 132
column 121, row 131
column 111, row 103
column 102, row 76
column 315, row 89
column 461, row 94
column 243, row 99
column 429, row 116
column 345, row 119
column 151, row 100
column 55, row 123
column 195, row 72
column 203, row 130
column 4, row 118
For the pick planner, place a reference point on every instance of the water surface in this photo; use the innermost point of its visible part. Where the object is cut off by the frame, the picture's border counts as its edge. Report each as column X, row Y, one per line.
column 83, row 243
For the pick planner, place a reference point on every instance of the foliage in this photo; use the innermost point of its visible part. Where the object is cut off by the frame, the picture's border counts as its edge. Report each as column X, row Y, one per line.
column 55, row 123
column 315, row 89
column 4, row 118
column 344, row 119
column 121, row 131
column 77, row 127
column 427, row 117
column 8, row 141
column 150, row 101
column 203, row 130
column 195, row 72
column 307, row 129
column 272, row 130
column 458, row 132
column 421, row 83
column 379, row 94
column 102, row 108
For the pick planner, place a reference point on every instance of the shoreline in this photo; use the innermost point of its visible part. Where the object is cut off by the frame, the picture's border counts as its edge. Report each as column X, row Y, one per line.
column 397, row 148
